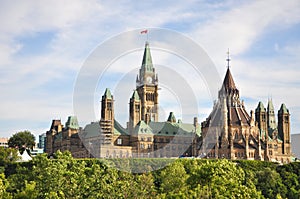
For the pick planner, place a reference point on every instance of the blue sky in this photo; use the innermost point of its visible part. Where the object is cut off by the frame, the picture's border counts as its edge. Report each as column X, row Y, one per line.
column 43, row 47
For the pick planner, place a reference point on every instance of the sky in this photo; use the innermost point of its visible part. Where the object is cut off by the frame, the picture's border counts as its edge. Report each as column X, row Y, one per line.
column 43, row 48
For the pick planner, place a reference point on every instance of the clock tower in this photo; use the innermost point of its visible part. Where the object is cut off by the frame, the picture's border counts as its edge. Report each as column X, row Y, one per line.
column 147, row 88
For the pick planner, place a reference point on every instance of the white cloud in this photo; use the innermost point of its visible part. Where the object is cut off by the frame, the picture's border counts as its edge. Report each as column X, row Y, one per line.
column 79, row 26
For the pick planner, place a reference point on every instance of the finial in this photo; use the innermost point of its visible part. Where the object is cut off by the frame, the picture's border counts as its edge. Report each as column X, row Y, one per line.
column 228, row 58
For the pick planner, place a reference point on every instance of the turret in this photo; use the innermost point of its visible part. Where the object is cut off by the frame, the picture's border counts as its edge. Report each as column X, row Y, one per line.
column 134, row 110
column 271, row 121
column 260, row 117
column 107, row 117
column 284, row 129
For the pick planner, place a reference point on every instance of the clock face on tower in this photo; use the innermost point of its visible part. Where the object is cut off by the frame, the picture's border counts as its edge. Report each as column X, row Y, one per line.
column 149, row 80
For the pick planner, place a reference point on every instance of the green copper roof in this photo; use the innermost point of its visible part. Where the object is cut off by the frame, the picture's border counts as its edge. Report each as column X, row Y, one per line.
column 107, row 94
column 135, row 96
column 283, row 109
column 260, row 107
column 118, row 129
column 167, row 129
column 171, row 118
column 147, row 65
column 72, row 122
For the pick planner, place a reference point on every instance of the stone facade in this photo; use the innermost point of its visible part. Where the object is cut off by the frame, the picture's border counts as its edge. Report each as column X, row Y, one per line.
column 144, row 135
column 230, row 132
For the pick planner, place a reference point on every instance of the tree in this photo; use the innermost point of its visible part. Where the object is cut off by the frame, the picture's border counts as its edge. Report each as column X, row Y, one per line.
column 22, row 140
column 8, row 155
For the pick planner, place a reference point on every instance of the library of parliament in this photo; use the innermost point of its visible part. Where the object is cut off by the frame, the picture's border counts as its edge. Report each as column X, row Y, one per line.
column 228, row 132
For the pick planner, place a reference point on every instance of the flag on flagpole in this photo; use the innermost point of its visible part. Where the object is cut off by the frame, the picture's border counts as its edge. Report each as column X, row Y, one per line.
column 144, row 31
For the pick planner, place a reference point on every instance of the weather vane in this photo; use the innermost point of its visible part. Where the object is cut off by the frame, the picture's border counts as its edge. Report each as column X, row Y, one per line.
column 228, row 58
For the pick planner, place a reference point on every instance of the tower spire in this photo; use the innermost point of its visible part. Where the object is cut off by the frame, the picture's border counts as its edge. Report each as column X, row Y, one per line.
column 228, row 59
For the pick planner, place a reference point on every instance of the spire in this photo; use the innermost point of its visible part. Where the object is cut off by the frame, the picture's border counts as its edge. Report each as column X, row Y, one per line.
column 135, row 96
column 171, row 118
column 270, row 107
column 260, row 107
column 228, row 82
column 147, row 65
column 107, row 94
column 271, row 115
column 283, row 109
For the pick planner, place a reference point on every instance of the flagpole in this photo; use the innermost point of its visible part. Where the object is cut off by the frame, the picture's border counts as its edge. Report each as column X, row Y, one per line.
column 145, row 32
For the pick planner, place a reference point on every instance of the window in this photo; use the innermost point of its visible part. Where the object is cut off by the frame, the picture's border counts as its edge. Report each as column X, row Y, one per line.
column 236, row 136
column 270, row 152
column 142, row 146
column 149, row 139
column 149, row 146
column 137, row 107
column 119, row 141
column 109, row 105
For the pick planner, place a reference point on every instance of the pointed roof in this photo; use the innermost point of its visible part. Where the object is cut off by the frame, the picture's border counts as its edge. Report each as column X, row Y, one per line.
column 270, row 106
column 171, row 118
column 147, row 59
column 283, row 109
column 135, row 96
column 260, row 107
column 228, row 82
column 72, row 122
column 107, row 94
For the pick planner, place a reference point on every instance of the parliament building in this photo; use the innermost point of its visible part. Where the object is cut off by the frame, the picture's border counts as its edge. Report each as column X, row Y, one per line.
column 228, row 132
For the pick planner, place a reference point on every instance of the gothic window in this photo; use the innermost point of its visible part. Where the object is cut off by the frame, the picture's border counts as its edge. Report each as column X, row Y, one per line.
column 286, row 119
column 137, row 107
column 109, row 105
column 263, row 117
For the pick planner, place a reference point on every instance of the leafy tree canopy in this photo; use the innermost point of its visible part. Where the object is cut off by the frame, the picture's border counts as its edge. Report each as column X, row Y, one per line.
column 22, row 140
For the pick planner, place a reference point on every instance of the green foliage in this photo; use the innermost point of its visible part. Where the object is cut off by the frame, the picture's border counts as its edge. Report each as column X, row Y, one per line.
column 269, row 182
column 66, row 177
column 3, row 187
column 8, row 155
column 22, row 140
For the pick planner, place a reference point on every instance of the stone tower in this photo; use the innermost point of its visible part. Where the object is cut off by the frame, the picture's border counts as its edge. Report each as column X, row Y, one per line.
column 147, row 88
column 107, row 117
column 261, row 118
column 134, row 110
column 284, row 128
